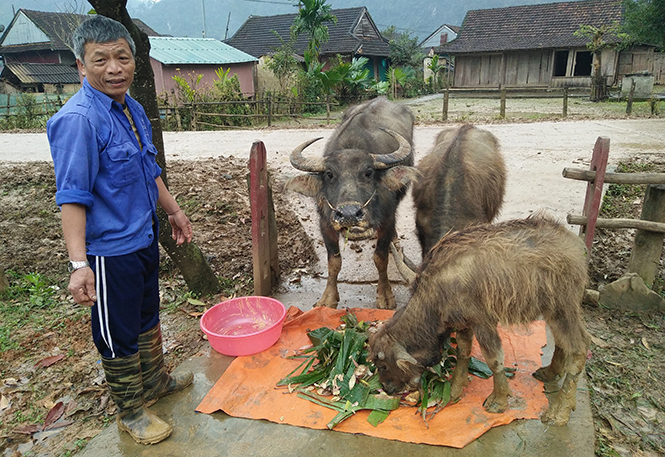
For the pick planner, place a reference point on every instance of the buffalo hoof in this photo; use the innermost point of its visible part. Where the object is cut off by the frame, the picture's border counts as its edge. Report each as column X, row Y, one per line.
column 555, row 416
column 321, row 303
column 386, row 301
column 495, row 405
column 546, row 374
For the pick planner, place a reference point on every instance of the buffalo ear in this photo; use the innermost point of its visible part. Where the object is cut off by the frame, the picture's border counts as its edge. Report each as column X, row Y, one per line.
column 403, row 358
column 400, row 176
column 309, row 185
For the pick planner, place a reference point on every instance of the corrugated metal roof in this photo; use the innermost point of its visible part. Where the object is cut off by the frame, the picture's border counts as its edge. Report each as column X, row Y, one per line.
column 180, row 51
column 31, row 73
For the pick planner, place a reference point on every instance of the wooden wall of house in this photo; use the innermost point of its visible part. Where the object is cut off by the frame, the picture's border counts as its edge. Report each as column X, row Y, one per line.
column 636, row 60
column 528, row 68
column 511, row 69
column 477, row 70
column 659, row 67
column 364, row 29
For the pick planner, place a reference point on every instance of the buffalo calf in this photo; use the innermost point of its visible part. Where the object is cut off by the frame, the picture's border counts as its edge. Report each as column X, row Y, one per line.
column 511, row 273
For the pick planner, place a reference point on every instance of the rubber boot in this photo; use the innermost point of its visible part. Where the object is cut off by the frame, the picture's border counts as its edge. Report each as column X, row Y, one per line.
column 156, row 381
column 123, row 376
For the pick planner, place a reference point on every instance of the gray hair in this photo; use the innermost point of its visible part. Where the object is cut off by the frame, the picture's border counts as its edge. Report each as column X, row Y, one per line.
column 99, row 29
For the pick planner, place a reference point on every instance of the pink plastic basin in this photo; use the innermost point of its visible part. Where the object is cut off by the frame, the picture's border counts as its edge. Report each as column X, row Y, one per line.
column 243, row 325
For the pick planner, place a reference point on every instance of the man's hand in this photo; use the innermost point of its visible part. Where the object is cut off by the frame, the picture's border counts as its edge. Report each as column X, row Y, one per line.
column 82, row 286
column 181, row 227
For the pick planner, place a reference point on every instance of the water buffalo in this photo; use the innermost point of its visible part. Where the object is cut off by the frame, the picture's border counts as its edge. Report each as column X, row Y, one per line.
column 510, row 273
column 362, row 176
column 463, row 181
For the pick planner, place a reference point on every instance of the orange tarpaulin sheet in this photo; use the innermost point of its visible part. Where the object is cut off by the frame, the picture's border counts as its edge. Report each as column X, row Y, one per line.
column 248, row 388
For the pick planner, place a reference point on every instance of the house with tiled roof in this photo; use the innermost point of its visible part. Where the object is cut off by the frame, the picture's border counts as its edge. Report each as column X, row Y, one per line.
column 36, row 53
column 536, row 46
column 354, row 35
column 432, row 45
column 184, row 57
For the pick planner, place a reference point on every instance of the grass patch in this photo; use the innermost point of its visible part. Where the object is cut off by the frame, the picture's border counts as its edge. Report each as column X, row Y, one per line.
column 619, row 200
column 27, row 301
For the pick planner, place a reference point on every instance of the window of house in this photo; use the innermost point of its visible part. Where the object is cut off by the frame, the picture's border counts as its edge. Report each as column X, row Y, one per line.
column 560, row 63
column 583, row 60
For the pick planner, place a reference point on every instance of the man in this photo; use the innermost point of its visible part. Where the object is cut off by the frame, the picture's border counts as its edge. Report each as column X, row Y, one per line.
column 108, row 186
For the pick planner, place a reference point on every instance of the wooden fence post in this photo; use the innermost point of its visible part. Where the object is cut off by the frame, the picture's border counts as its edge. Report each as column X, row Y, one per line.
column 565, row 102
column 594, row 190
column 502, row 113
column 264, row 226
column 648, row 246
column 327, row 109
column 446, row 97
column 631, row 94
column 178, row 119
column 194, row 116
column 269, row 110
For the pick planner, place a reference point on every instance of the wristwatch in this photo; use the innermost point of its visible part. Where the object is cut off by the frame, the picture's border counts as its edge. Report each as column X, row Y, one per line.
column 74, row 265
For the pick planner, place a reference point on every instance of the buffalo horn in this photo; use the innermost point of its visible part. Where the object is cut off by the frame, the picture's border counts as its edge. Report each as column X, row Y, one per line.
column 310, row 164
column 382, row 161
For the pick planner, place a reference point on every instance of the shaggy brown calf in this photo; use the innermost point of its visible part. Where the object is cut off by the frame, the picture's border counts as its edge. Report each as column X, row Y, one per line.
column 463, row 182
column 510, row 273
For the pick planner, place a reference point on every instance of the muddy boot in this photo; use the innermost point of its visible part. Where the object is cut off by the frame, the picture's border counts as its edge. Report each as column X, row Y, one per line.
column 156, row 381
column 123, row 376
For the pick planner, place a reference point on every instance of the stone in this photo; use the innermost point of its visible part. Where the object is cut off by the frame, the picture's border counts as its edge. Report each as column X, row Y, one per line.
column 629, row 293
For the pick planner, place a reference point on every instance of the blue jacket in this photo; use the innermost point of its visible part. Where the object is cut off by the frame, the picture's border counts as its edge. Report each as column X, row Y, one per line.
column 98, row 163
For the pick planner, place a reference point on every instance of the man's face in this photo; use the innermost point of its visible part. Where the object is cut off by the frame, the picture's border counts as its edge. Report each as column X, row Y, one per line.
column 109, row 67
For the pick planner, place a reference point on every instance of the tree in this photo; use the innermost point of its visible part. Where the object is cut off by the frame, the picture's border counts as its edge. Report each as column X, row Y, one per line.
column 603, row 37
column 282, row 63
column 311, row 19
column 404, row 49
column 644, row 21
column 188, row 258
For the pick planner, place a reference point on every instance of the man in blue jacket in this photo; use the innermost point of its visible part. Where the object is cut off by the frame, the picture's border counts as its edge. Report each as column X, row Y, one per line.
column 108, row 186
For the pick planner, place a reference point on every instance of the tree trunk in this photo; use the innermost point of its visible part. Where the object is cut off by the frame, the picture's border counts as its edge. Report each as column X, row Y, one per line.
column 188, row 258
column 598, row 85
column 4, row 284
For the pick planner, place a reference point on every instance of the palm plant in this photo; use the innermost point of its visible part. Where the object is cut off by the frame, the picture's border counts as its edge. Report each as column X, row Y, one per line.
column 311, row 20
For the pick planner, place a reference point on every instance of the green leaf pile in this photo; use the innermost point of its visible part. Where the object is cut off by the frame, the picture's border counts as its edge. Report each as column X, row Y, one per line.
column 336, row 374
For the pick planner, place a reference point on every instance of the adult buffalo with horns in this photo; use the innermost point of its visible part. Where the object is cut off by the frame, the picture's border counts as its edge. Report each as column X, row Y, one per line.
column 358, row 183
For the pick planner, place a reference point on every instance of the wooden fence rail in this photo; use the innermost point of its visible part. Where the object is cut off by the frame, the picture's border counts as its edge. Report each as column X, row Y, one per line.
column 509, row 92
column 266, row 110
column 648, row 244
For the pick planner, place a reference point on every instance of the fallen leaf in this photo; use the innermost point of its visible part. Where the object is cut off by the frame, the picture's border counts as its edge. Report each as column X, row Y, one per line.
column 48, row 361
column 196, row 314
column 193, row 301
column 645, row 344
column 58, row 424
column 54, row 414
column 4, row 402
column 28, row 429
column 598, row 342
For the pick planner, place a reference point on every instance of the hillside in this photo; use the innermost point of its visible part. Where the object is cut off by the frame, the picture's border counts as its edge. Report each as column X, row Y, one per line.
column 178, row 18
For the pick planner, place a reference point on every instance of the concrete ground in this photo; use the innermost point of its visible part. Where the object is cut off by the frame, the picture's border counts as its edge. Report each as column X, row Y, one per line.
column 217, row 434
